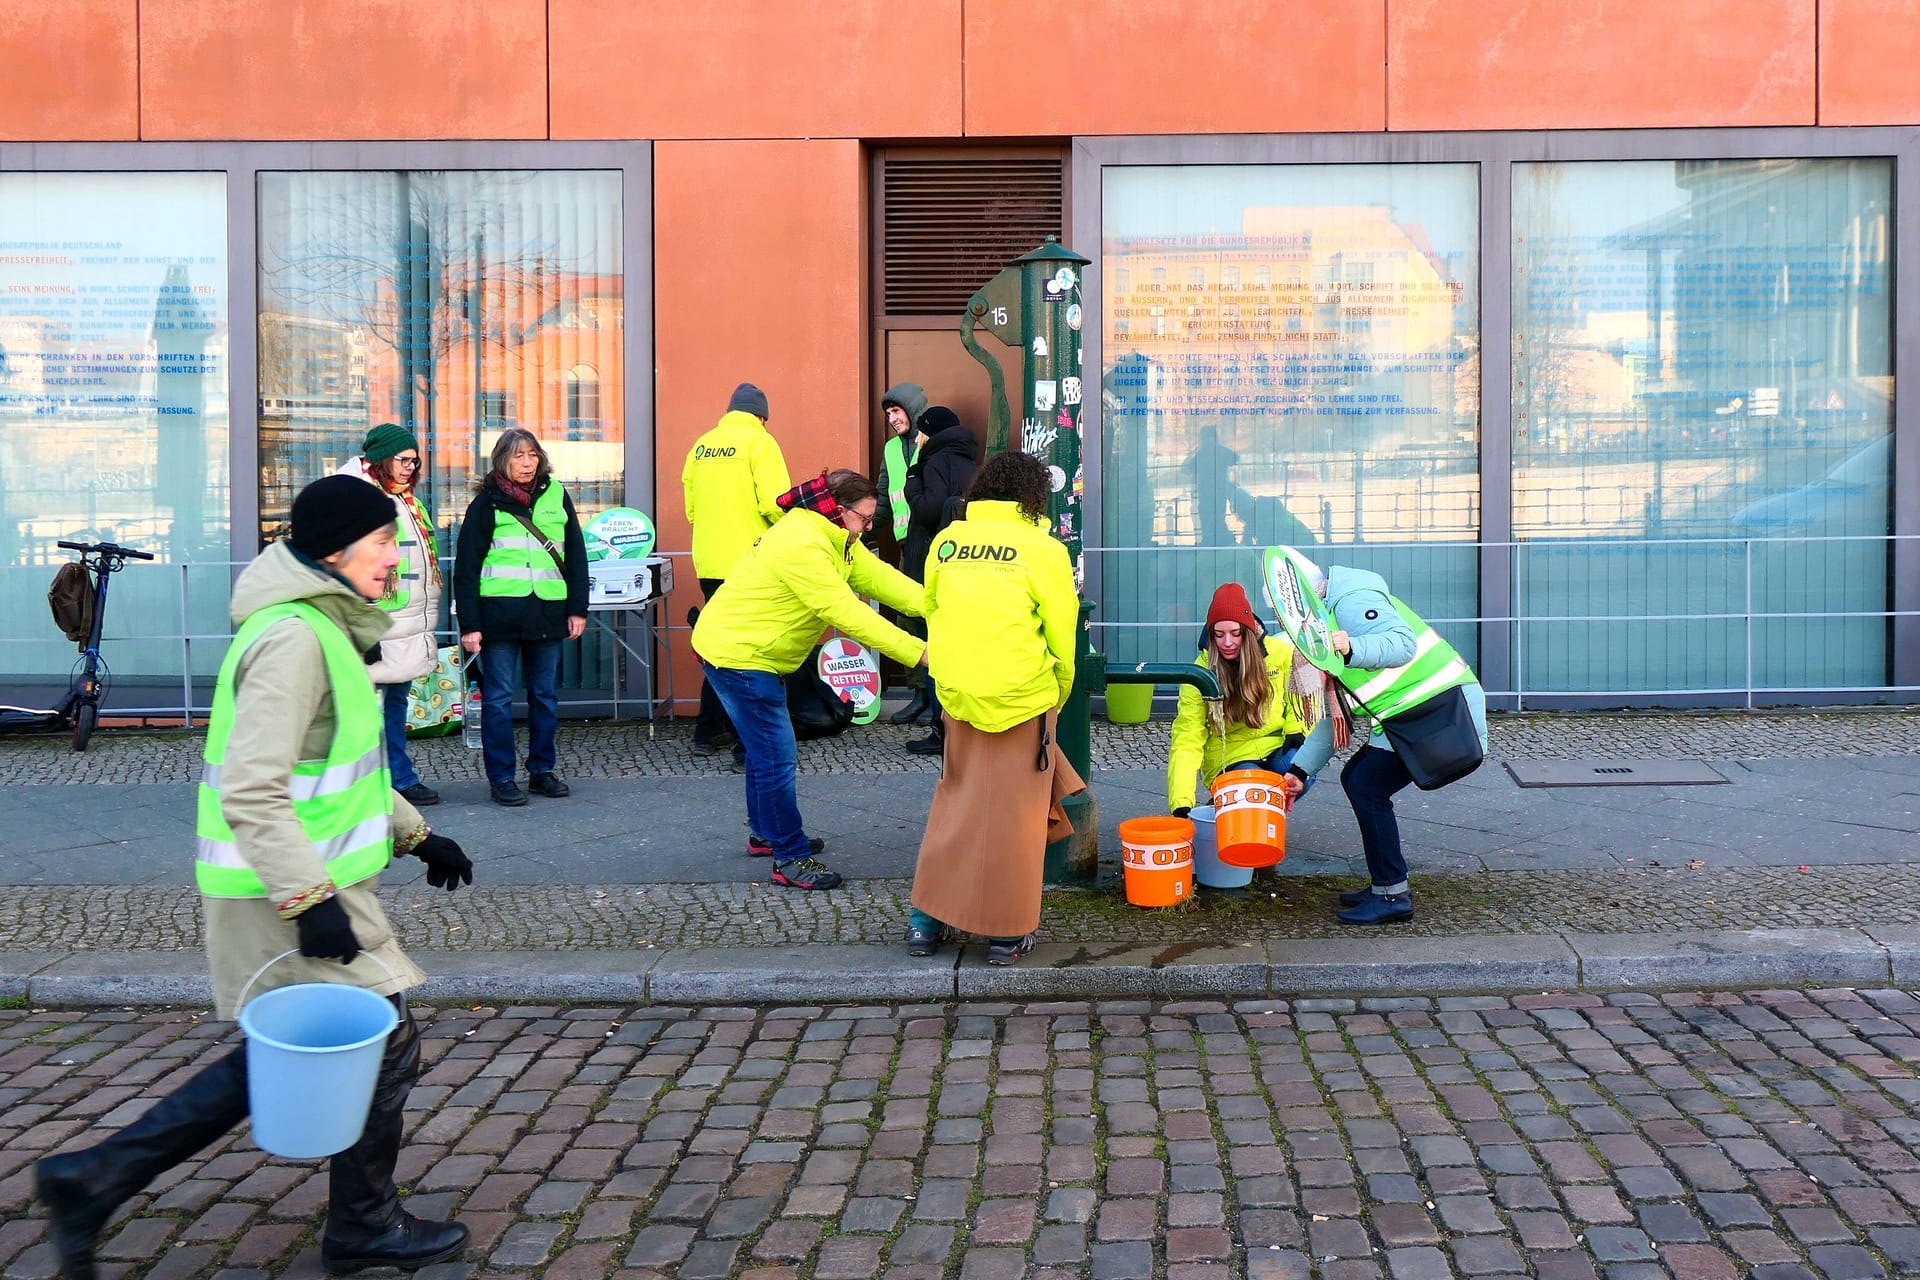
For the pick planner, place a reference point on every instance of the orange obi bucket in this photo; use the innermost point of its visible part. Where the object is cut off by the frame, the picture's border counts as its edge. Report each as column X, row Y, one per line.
column 1250, row 817
column 1157, row 858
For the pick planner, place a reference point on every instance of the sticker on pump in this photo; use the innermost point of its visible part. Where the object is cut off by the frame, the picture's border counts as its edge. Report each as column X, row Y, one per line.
column 851, row 670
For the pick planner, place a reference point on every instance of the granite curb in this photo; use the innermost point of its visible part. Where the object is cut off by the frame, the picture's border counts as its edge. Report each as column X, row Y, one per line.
column 1868, row 957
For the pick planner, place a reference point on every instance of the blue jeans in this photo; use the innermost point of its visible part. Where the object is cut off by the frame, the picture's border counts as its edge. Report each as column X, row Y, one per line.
column 1370, row 780
column 399, row 764
column 756, row 702
column 502, row 663
column 1275, row 763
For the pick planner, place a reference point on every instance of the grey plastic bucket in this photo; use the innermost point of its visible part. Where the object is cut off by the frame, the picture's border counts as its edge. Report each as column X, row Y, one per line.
column 1207, row 867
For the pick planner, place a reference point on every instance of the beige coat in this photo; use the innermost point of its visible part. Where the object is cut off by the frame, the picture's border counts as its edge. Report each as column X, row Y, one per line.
column 409, row 649
column 283, row 712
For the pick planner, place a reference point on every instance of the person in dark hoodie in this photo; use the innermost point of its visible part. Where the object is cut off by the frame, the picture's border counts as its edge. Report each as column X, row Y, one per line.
column 520, row 584
column 902, row 406
column 936, row 485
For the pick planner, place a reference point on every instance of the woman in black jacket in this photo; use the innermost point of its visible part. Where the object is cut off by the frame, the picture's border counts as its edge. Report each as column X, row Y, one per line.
column 520, row 584
column 936, row 484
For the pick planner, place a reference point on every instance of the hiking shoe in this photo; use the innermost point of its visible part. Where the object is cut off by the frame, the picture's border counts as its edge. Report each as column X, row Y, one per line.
column 762, row 848
column 509, row 794
column 549, row 785
column 924, row 942
column 420, row 795
column 805, row 873
column 1006, row 950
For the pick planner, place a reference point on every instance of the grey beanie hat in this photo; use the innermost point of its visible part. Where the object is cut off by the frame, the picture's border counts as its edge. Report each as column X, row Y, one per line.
column 748, row 398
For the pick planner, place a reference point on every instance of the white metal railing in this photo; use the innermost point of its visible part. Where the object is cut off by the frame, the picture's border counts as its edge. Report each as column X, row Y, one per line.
column 1745, row 605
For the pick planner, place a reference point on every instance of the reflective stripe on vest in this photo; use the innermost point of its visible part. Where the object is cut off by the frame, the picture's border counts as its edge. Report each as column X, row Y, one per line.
column 1434, row 668
column 516, row 564
column 344, row 802
column 893, row 470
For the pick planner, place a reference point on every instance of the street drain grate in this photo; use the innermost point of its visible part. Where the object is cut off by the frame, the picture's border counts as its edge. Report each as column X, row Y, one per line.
column 1613, row 773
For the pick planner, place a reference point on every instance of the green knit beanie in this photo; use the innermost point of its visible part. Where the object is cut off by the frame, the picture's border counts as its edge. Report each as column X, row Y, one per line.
column 388, row 440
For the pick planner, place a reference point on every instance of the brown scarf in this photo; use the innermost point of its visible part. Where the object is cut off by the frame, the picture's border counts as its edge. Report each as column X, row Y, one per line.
column 1320, row 696
column 519, row 493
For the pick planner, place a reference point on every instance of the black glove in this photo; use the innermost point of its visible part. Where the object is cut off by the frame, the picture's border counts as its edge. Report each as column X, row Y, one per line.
column 1183, row 811
column 325, row 933
column 447, row 867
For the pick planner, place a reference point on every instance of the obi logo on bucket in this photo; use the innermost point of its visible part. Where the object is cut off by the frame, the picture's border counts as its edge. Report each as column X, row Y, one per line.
column 952, row 551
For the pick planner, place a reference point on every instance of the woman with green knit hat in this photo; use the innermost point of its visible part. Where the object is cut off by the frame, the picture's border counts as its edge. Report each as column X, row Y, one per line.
column 391, row 460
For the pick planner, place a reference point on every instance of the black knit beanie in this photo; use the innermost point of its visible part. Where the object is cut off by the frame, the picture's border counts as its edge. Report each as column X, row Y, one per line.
column 332, row 514
column 938, row 419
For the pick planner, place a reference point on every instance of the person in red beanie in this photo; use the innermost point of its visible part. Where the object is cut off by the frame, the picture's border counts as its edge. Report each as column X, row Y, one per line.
column 1266, row 709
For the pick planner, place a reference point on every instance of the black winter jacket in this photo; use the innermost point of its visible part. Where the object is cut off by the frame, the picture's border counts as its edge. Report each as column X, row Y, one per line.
column 525, row 617
column 936, row 482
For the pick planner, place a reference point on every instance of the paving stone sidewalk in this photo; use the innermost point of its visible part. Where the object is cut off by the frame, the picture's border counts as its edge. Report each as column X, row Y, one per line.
column 1771, row 1135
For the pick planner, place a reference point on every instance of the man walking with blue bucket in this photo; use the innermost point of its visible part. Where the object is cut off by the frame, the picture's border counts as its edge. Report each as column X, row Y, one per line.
column 297, row 818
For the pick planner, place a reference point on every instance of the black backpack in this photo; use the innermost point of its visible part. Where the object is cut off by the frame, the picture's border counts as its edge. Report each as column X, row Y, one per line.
column 817, row 711
column 71, row 600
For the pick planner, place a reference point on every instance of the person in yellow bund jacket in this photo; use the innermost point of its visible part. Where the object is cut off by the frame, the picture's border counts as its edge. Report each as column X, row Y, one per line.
column 1002, row 622
column 1264, row 718
column 732, row 480
column 799, row 579
column 297, row 819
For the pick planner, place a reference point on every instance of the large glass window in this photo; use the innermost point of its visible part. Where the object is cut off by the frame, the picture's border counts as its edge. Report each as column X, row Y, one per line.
column 1703, row 401
column 113, row 411
column 453, row 303
column 456, row 304
column 1332, row 404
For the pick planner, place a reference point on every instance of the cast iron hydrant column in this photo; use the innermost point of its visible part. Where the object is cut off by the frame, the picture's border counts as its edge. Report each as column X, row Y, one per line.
column 1035, row 305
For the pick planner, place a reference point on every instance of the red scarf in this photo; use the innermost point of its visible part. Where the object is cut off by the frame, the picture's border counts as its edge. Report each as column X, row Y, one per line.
column 519, row 493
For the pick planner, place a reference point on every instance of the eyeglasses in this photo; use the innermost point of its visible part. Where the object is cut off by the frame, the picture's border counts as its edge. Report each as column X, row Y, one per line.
column 407, row 462
column 865, row 518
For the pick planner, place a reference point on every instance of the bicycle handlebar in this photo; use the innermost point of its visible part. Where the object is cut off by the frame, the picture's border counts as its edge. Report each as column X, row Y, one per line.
column 105, row 548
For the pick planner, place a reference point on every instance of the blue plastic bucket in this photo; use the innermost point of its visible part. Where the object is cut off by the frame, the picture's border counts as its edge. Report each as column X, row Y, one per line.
column 313, row 1055
column 1207, row 867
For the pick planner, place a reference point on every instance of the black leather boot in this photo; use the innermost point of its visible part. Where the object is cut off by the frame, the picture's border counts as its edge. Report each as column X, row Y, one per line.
column 366, row 1227
column 82, row 1189
column 915, row 708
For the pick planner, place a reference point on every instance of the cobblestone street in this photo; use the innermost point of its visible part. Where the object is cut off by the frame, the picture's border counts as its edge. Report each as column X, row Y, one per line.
column 1770, row 1134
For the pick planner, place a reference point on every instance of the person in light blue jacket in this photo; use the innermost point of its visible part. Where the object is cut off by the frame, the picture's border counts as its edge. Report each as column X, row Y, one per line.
column 1373, row 636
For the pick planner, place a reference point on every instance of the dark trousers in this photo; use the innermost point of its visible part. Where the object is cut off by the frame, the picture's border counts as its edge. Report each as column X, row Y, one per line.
column 1371, row 780
column 920, row 677
column 713, row 719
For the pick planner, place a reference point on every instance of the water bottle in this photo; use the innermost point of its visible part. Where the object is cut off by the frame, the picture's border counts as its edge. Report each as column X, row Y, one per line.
column 470, row 718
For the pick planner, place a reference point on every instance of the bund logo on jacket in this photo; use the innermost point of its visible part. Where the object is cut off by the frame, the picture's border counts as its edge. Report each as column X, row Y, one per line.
column 701, row 452
column 950, row 550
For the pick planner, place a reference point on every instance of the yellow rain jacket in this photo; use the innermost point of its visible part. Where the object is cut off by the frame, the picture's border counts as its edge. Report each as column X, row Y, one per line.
column 732, row 476
column 1196, row 747
column 793, row 584
column 1002, row 618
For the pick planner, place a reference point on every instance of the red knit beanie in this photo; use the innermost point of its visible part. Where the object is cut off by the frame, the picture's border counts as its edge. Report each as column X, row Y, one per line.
column 1230, row 605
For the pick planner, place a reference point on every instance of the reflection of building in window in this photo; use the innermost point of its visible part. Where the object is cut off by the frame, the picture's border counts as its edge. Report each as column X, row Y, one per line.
column 1230, row 277
column 1158, row 316
column 1196, row 277
column 1123, row 281
column 1159, row 277
column 496, row 410
column 1263, row 276
column 583, row 403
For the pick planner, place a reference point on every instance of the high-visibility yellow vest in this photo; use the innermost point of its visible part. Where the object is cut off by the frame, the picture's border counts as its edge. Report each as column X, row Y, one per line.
column 1434, row 668
column 344, row 802
column 516, row 563
column 403, row 574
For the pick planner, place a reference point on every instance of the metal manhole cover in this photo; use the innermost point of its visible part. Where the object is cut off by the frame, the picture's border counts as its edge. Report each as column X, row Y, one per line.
column 1613, row 773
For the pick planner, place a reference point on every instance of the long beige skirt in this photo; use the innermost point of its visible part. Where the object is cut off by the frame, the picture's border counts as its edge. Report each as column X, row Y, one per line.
column 994, row 813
